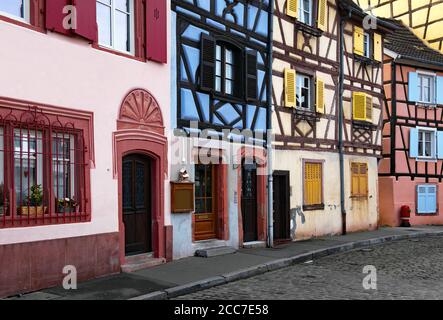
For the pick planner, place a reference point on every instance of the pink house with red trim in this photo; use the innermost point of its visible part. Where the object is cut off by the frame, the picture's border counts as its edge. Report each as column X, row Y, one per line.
column 84, row 118
column 411, row 170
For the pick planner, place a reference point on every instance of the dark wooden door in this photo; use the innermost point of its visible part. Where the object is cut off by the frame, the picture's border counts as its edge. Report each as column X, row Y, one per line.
column 205, row 204
column 281, row 205
column 137, row 204
column 249, row 202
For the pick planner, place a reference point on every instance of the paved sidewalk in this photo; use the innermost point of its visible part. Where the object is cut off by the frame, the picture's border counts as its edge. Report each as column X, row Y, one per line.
column 193, row 274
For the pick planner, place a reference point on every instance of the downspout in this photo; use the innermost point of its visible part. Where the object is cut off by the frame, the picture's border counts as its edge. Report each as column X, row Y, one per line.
column 270, row 233
column 340, row 122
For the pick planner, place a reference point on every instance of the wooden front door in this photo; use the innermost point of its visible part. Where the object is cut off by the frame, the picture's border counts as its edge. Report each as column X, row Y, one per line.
column 281, row 205
column 249, row 202
column 205, row 205
column 136, row 188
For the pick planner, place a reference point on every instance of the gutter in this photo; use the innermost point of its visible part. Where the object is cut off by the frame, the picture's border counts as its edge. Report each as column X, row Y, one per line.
column 270, row 233
column 340, row 121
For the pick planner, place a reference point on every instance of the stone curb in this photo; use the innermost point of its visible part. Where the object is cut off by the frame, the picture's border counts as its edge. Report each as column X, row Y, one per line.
column 193, row 287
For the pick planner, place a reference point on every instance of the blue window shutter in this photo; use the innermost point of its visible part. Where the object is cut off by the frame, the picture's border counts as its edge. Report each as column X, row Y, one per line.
column 439, row 90
column 440, row 144
column 413, row 94
column 421, row 199
column 431, row 199
column 413, row 143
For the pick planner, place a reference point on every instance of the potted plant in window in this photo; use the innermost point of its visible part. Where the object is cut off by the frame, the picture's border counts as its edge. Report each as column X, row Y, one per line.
column 3, row 200
column 66, row 205
column 33, row 205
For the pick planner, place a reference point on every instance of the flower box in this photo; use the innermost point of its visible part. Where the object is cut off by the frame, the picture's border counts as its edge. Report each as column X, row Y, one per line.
column 33, row 211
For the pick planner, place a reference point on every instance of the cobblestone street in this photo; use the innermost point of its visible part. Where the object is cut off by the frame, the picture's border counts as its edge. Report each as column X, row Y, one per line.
column 408, row 269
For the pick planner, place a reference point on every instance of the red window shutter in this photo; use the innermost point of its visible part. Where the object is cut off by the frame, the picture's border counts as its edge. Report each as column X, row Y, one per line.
column 156, row 30
column 86, row 19
column 55, row 15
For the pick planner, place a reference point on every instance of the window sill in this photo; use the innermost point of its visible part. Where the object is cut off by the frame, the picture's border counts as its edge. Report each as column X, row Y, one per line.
column 307, row 29
column 307, row 115
column 426, row 214
column 118, row 53
column 313, row 207
column 426, row 105
column 426, row 159
column 360, row 124
column 366, row 60
column 22, row 23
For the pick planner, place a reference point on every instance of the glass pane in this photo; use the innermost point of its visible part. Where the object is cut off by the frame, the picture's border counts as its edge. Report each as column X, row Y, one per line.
column 13, row 7
column 229, row 56
column 218, row 68
column 208, row 208
column 104, row 24
column 420, row 148
column 199, row 206
column 304, row 98
column 228, row 87
column 428, row 149
column 122, row 5
column 140, row 185
column 121, row 30
column 127, row 185
column 218, row 84
column 228, row 71
column 218, row 53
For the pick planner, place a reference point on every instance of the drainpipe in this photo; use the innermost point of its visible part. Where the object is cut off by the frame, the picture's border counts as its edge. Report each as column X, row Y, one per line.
column 340, row 123
column 270, row 239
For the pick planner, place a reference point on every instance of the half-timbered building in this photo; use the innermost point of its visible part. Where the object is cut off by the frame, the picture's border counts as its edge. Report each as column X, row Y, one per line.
column 219, row 85
column 412, row 166
column 327, row 96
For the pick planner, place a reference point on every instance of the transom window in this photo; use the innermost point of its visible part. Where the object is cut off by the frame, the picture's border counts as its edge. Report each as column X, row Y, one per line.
column 17, row 9
column 305, row 11
column 225, row 65
column 426, row 88
column 115, row 19
column 426, row 143
column 304, row 92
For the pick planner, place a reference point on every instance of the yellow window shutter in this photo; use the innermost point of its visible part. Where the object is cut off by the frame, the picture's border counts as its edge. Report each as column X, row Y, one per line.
column 292, row 8
column 359, row 106
column 322, row 15
column 354, row 179
column 320, row 96
column 359, row 41
column 378, row 48
column 313, row 184
column 368, row 108
column 290, row 88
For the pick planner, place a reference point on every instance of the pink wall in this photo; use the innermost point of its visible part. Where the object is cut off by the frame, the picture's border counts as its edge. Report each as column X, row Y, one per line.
column 67, row 72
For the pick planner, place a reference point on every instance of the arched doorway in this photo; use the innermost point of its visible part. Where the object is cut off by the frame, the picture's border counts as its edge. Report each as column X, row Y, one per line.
column 140, row 142
column 137, row 204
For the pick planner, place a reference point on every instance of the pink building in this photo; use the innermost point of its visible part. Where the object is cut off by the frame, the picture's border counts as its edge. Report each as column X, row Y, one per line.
column 411, row 170
column 84, row 118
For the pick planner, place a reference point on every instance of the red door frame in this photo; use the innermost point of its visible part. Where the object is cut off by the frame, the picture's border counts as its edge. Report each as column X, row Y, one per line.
column 259, row 155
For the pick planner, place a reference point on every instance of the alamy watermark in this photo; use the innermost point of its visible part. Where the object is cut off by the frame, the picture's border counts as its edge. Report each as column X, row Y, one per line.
column 370, row 280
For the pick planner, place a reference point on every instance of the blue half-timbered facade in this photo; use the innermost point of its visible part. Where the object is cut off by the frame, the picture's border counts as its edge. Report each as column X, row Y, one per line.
column 220, row 85
column 221, row 56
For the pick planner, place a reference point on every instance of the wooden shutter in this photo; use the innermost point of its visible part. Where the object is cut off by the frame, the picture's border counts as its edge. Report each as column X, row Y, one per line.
column 313, row 184
column 359, row 106
column 413, row 89
column 378, row 47
column 368, row 108
column 251, row 75
column 156, row 30
column 322, row 20
column 439, row 144
column 320, row 96
column 413, row 143
column 292, row 8
column 426, row 199
column 359, row 179
column 86, row 25
column 359, row 41
column 290, row 88
column 207, row 63
column 54, row 16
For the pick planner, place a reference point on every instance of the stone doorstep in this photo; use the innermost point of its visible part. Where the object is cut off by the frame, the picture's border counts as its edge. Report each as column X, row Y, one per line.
column 140, row 262
column 213, row 252
column 254, row 244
